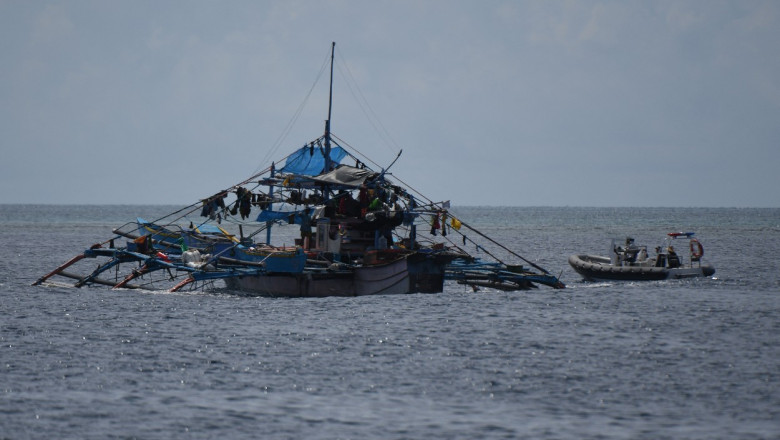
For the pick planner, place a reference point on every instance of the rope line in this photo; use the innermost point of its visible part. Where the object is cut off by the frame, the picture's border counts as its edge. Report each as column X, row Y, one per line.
column 288, row 128
column 364, row 105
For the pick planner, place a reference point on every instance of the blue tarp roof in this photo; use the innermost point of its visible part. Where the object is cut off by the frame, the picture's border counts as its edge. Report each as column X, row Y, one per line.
column 269, row 215
column 306, row 163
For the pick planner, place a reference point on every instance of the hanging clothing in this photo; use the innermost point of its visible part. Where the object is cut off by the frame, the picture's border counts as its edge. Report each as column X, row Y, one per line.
column 435, row 225
column 243, row 204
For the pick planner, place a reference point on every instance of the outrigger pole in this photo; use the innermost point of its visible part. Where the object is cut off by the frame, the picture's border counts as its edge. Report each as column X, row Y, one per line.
column 59, row 269
column 504, row 248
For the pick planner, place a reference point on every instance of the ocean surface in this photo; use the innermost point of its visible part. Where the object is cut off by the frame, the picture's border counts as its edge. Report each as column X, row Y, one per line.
column 686, row 359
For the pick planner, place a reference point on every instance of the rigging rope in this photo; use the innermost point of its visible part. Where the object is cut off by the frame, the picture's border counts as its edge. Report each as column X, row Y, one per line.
column 296, row 115
column 367, row 159
column 371, row 115
column 475, row 230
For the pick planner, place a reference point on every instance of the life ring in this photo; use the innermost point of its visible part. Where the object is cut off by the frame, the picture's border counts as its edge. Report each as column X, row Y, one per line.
column 697, row 250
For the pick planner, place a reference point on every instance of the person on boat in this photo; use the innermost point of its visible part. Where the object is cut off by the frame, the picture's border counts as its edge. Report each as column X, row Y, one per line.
column 626, row 255
column 353, row 207
column 672, row 258
column 660, row 257
column 348, row 206
column 630, row 251
column 343, row 202
column 306, row 227
column 394, row 202
column 376, row 204
column 331, row 208
column 618, row 250
column 363, row 197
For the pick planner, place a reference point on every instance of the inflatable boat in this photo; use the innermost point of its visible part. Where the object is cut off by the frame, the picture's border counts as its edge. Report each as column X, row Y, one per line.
column 631, row 262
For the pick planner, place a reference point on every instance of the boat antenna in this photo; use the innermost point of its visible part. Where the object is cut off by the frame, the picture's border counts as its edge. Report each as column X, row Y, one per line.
column 330, row 107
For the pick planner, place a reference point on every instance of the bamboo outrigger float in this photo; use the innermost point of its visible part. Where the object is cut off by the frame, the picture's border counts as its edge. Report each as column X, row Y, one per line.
column 358, row 236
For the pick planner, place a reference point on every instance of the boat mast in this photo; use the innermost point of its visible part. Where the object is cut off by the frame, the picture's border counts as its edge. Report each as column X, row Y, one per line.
column 330, row 107
column 270, row 223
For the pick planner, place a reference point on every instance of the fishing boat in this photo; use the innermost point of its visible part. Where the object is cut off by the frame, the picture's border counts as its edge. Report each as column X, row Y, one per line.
column 631, row 262
column 319, row 222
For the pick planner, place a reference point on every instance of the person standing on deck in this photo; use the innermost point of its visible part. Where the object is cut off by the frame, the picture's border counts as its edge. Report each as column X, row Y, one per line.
column 306, row 227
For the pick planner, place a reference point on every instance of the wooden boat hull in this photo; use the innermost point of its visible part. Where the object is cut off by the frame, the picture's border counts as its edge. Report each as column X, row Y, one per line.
column 427, row 272
column 597, row 268
column 380, row 279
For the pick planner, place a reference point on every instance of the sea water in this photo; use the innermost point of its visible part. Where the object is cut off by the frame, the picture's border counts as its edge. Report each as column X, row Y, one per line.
column 683, row 359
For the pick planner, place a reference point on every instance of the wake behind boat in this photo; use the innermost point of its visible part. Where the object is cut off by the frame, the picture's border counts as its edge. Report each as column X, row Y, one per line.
column 632, row 263
column 331, row 229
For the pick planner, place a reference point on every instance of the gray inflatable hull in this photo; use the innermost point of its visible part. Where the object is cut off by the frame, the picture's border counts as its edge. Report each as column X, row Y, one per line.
column 595, row 268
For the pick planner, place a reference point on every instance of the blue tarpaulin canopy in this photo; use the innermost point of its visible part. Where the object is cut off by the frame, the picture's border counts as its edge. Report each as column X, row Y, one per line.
column 311, row 162
column 268, row 215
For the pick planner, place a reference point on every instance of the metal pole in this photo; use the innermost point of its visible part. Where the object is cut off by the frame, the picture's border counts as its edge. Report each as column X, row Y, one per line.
column 330, row 108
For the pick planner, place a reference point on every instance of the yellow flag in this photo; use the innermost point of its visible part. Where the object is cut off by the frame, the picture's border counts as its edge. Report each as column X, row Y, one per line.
column 286, row 181
column 455, row 223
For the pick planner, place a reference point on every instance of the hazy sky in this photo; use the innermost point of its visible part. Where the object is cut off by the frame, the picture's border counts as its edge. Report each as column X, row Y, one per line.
column 527, row 103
